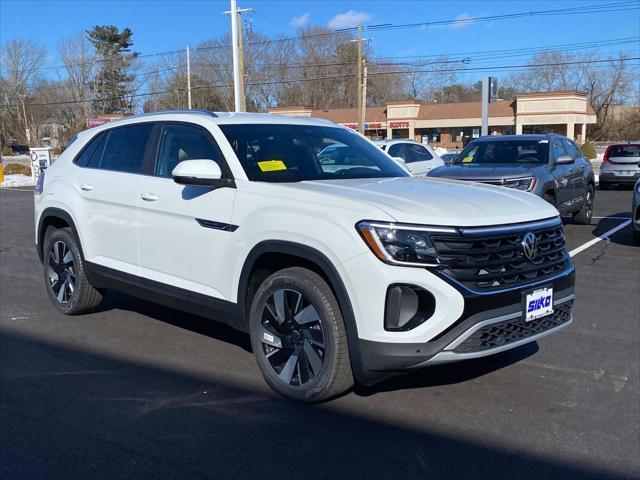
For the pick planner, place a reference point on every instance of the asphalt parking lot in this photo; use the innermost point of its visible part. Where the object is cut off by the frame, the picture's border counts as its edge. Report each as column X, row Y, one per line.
column 140, row 391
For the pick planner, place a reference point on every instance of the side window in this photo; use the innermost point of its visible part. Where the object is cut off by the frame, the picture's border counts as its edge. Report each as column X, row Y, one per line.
column 397, row 150
column 558, row 149
column 125, row 148
column 84, row 159
column 417, row 153
column 572, row 149
column 180, row 142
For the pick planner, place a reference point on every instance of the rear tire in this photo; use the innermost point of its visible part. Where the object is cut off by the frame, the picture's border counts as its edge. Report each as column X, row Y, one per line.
column 65, row 277
column 583, row 216
column 298, row 336
column 604, row 186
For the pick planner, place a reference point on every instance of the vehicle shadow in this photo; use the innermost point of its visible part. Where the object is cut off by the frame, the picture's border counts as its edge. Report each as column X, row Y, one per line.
column 437, row 375
column 621, row 237
column 200, row 325
column 71, row 412
column 451, row 373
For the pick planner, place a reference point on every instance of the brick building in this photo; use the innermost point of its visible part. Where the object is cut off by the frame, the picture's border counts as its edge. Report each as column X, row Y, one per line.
column 452, row 124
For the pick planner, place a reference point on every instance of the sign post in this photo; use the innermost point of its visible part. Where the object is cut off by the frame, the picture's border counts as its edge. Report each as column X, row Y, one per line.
column 489, row 94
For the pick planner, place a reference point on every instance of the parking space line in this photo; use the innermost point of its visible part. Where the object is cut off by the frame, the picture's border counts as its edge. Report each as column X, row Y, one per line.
column 612, row 218
column 605, row 235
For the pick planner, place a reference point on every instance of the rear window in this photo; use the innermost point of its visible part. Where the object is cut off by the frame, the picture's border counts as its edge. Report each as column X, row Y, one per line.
column 125, row 148
column 625, row 151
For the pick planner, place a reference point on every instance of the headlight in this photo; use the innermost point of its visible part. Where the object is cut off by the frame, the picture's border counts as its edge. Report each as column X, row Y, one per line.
column 524, row 184
column 402, row 244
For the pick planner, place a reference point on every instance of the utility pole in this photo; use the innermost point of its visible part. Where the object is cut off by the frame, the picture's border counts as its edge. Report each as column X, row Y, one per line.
column 364, row 95
column 359, row 94
column 243, row 94
column 236, row 58
column 188, row 78
column 238, row 55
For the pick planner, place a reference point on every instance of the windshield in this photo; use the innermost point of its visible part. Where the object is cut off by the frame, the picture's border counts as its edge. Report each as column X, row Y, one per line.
column 505, row 151
column 293, row 153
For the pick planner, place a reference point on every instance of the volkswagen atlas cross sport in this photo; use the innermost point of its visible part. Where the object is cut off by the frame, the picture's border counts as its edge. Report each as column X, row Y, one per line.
column 550, row 166
column 339, row 272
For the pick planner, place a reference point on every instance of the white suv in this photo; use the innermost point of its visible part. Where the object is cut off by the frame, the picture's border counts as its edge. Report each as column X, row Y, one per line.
column 341, row 267
column 418, row 158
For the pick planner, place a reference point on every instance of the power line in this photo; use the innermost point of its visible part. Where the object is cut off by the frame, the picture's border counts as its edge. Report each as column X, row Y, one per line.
column 599, row 63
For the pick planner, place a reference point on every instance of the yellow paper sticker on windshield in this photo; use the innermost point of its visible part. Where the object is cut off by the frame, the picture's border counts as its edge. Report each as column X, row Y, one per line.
column 467, row 160
column 272, row 165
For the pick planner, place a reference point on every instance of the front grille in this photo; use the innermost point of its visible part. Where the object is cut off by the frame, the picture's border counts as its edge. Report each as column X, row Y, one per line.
column 509, row 331
column 495, row 260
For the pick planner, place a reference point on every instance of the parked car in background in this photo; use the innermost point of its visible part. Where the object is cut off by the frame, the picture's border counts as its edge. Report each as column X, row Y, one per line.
column 19, row 149
column 417, row 157
column 620, row 165
column 448, row 158
column 550, row 166
column 635, row 212
column 337, row 271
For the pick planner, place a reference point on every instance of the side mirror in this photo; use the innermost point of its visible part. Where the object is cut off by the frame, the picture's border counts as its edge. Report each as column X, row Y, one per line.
column 198, row 172
column 564, row 160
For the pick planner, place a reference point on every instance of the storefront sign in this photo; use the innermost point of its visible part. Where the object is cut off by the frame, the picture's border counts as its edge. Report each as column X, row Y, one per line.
column 350, row 125
column 373, row 126
column 399, row 124
column 96, row 122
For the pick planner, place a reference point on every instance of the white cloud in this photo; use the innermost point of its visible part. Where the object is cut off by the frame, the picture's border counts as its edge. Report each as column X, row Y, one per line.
column 300, row 21
column 348, row 19
column 460, row 21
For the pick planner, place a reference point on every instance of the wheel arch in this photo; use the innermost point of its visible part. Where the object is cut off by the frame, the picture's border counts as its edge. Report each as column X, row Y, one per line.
column 286, row 254
column 55, row 217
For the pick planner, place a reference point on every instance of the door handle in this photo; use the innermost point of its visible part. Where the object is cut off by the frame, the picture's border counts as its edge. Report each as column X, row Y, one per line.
column 87, row 187
column 149, row 197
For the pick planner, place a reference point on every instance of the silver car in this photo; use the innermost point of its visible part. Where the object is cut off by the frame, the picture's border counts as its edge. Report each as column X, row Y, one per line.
column 418, row 158
column 620, row 164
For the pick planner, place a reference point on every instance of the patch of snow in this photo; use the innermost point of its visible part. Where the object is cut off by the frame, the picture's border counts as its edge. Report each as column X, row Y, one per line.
column 17, row 180
column 441, row 150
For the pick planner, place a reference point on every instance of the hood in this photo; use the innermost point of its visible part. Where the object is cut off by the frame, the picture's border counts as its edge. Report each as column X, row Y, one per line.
column 436, row 201
column 480, row 172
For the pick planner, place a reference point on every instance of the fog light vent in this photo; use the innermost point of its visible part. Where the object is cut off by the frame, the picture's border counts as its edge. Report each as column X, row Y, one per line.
column 407, row 306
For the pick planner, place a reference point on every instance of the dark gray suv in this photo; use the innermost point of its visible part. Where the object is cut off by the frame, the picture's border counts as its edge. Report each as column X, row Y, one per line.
column 550, row 166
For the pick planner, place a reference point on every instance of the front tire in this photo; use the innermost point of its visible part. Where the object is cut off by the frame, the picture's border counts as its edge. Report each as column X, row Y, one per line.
column 64, row 274
column 298, row 336
column 583, row 216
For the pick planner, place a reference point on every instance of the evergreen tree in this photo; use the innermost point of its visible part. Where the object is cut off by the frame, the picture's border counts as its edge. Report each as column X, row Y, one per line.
column 113, row 82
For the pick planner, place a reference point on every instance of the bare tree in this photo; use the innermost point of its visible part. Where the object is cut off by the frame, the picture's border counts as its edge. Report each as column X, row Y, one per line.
column 21, row 61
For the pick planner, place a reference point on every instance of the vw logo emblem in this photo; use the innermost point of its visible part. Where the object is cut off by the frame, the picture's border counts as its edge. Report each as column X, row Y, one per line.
column 529, row 245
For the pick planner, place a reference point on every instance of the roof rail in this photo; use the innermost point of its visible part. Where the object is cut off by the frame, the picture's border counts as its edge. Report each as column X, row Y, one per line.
column 162, row 112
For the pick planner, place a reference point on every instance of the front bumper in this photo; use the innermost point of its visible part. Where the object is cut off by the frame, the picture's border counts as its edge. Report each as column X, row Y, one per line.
column 490, row 323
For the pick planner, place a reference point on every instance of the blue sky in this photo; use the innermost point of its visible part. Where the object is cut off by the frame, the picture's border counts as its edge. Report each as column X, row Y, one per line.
column 161, row 25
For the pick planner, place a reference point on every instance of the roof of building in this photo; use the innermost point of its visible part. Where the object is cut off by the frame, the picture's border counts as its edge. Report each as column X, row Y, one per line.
column 350, row 115
column 437, row 111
